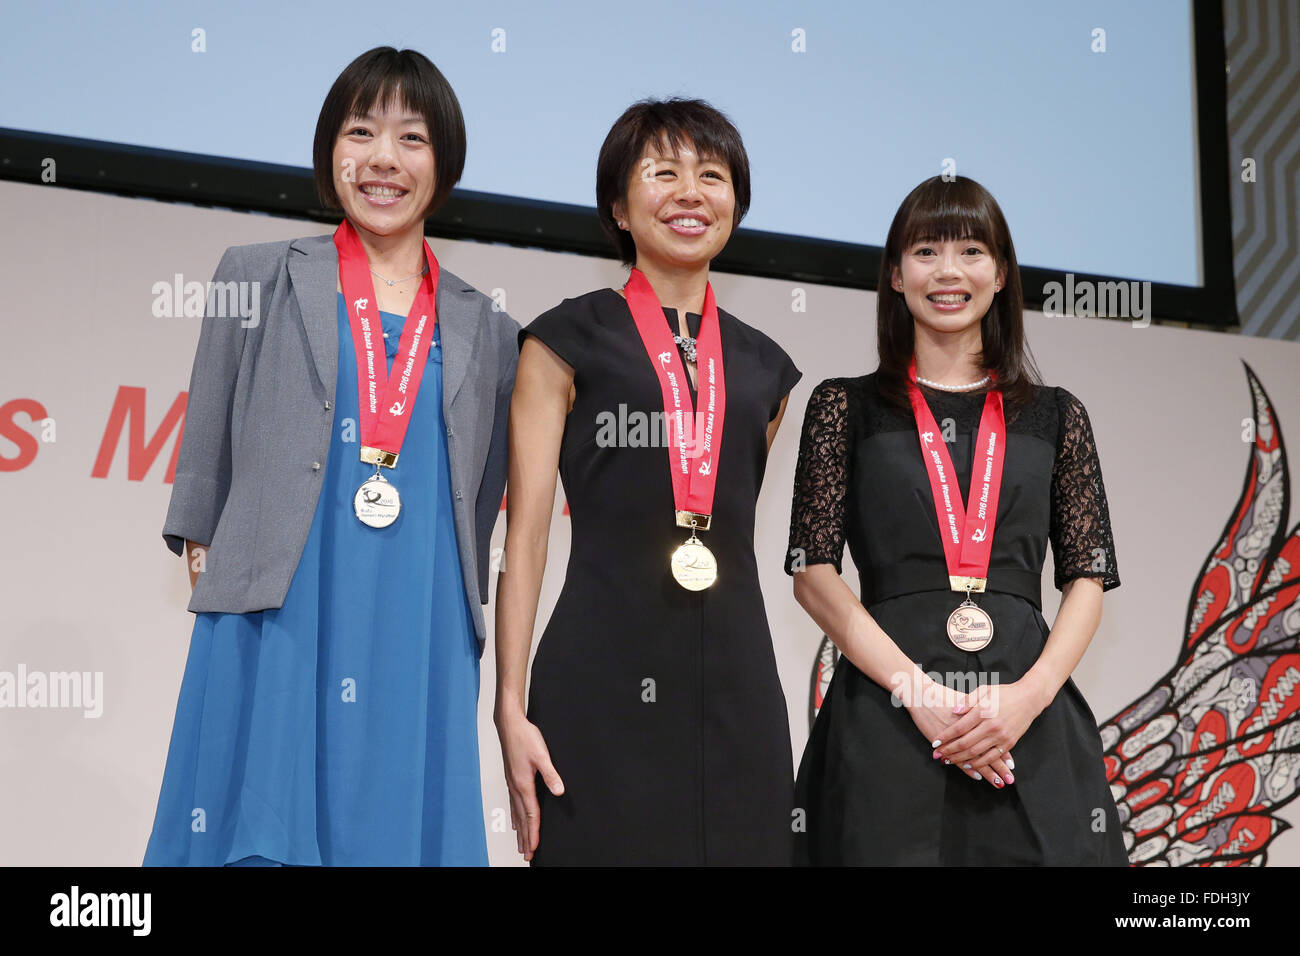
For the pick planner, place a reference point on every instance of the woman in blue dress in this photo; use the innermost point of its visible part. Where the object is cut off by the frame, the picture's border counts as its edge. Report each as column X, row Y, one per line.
column 338, row 725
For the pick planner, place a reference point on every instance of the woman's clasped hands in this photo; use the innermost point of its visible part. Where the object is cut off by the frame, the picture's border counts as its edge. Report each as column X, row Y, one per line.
column 975, row 731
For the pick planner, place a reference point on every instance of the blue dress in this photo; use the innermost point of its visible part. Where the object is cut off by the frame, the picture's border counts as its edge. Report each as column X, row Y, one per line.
column 325, row 732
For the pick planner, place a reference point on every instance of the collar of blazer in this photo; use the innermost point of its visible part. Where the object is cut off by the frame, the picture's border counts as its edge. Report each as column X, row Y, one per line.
column 314, row 270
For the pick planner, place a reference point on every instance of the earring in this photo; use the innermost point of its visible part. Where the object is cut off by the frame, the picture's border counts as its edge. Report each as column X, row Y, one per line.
column 622, row 224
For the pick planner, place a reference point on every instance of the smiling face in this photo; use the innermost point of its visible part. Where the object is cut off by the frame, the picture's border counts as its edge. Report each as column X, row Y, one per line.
column 948, row 285
column 384, row 172
column 679, row 208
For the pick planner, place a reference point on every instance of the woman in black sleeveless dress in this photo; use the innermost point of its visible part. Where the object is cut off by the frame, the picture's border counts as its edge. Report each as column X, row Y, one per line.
column 655, row 715
column 1034, row 790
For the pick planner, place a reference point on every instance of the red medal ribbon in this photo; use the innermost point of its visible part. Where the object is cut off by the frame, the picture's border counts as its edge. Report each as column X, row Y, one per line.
column 384, row 403
column 966, row 532
column 693, row 488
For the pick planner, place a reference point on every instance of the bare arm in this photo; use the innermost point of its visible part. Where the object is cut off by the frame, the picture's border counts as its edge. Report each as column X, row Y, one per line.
column 1075, row 625
column 831, row 603
column 541, row 402
column 537, row 413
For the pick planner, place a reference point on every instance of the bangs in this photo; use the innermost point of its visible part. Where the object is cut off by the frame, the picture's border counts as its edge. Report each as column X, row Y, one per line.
column 383, row 92
column 706, row 142
column 947, row 211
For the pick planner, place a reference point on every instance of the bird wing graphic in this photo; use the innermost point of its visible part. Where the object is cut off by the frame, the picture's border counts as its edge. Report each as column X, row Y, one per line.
column 1201, row 763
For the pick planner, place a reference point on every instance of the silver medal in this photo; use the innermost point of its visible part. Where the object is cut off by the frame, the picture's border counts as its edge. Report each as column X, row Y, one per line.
column 377, row 502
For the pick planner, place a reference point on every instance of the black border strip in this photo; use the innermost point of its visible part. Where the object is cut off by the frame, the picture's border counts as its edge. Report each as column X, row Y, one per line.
column 288, row 191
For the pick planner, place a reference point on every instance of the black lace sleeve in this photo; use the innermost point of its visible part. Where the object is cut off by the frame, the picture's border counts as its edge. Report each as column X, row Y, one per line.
column 821, row 480
column 1082, row 545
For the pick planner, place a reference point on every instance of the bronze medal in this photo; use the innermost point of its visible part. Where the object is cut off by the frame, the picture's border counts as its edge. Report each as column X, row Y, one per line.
column 969, row 626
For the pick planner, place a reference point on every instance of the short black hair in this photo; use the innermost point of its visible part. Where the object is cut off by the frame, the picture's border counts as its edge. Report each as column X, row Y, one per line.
column 401, row 79
column 677, row 122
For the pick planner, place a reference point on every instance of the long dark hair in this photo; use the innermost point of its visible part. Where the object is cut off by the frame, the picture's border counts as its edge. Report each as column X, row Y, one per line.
column 939, row 210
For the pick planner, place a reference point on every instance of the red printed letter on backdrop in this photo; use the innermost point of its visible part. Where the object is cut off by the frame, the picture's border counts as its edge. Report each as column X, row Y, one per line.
column 130, row 404
column 25, row 440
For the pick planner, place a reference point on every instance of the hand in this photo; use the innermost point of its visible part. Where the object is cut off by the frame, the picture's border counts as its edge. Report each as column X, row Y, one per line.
column 996, row 771
column 525, row 755
column 935, row 711
column 986, row 725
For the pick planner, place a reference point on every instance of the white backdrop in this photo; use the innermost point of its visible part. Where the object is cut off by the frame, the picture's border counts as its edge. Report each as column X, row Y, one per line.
column 88, row 586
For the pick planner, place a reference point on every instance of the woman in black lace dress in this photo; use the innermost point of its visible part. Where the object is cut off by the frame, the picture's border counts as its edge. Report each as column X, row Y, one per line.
column 934, row 745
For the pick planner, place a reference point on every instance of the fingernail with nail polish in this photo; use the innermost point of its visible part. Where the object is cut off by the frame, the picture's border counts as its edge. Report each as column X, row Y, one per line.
column 965, row 766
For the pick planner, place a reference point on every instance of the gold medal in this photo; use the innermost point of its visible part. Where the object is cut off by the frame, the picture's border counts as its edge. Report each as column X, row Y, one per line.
column 694, row 565
column 969, row 626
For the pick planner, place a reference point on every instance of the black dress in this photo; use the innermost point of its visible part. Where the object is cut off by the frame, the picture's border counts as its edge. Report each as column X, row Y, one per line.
column 872, row 792
column 661, row 707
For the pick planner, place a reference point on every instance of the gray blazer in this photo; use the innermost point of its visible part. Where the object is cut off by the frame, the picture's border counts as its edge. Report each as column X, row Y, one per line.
column 261, row 413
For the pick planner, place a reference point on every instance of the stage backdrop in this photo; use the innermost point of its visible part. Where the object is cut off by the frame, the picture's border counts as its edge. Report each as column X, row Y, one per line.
column 1192, row 676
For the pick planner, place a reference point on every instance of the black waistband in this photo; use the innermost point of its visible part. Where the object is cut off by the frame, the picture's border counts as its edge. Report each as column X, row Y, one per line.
column 880, row 583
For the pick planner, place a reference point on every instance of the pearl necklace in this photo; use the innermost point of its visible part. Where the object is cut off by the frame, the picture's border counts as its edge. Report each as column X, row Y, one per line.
column 952, row 388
